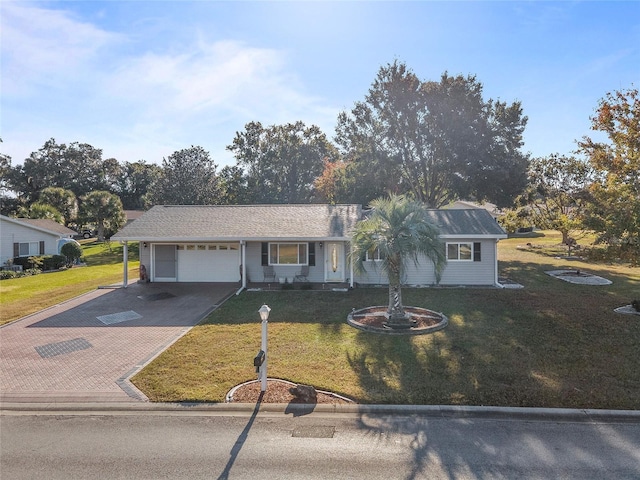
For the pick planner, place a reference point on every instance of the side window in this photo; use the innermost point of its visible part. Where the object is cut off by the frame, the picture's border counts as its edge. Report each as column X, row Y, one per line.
column 460, row 251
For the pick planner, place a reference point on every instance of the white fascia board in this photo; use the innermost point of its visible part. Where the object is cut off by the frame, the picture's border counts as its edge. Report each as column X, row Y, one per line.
column 477, row 237
column 227, row 239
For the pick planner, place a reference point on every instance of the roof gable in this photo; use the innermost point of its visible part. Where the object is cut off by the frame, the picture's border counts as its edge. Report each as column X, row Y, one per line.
column 42, row 224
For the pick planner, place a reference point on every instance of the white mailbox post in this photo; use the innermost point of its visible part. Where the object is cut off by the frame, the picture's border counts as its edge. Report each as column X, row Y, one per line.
column 264, row 316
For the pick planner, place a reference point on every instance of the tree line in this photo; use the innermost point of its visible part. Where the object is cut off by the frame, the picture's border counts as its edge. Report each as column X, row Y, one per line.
column 433, row 141
column 595, row 189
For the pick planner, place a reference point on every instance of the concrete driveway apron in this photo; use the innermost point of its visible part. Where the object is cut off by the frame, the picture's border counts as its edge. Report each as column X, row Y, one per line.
column 87, row 348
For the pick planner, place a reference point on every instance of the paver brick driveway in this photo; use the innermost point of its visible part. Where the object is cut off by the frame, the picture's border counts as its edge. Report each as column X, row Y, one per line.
column 87, row 348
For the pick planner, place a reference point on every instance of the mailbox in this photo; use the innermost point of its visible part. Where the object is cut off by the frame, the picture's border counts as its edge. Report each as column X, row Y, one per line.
column 258, row 360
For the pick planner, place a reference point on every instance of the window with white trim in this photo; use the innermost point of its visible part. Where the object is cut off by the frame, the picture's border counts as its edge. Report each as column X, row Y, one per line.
column 464, row 251
column 29, row 249
column 460, row 252
column 288, row 254
column 373, row 255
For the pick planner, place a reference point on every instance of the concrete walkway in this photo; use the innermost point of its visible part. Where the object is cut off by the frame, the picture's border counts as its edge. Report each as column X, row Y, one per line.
column 86, row 349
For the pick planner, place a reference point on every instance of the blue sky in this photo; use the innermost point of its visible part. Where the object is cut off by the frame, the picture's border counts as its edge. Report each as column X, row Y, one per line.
column 142, row 79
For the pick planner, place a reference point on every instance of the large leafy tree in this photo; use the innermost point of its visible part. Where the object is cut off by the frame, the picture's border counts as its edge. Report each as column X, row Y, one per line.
column 5, row 169
column 556, row 195
column 400, row 230
column 111, row 173
column 188, row 177
column 437, row 141
column 233, row 185
column 281, row 162
column 104, row 209
column 614, row 210
column 64, row 201
column 77, row 167
column 42, row 211
column 8, row 203
column 134, row 182
column 346, row 182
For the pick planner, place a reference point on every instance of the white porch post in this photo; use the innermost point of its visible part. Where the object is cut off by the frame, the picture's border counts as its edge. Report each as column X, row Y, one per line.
column 125, row 258
column 243, row 259
column 495, row 253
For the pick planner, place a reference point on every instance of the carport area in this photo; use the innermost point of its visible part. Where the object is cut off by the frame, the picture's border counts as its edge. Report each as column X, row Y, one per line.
column 87, row 348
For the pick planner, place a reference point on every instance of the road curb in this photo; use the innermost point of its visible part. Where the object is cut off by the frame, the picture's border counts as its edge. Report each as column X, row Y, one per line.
column 441, row 411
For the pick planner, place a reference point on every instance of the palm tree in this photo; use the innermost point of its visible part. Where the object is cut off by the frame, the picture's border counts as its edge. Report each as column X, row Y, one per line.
column 397, row 230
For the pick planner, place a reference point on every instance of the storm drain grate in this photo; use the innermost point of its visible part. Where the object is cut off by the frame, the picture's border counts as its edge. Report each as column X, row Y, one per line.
column 60, row 348
column 119, row 317
column 156, row 296
column 314, row 432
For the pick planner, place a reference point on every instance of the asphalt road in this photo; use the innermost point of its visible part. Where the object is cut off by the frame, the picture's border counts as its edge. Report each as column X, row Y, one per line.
column 143, row 445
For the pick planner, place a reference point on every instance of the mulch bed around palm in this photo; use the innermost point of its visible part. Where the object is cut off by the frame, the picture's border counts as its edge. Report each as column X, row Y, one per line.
column 375, row 317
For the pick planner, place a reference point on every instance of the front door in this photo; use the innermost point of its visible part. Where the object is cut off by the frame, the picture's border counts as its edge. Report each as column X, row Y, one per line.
column 334, row 262
column 164, row 262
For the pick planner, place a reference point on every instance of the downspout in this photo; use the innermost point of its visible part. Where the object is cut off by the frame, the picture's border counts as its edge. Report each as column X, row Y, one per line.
column 495, row 252
column 350, row 265
column 125, row 260
column 243, row 264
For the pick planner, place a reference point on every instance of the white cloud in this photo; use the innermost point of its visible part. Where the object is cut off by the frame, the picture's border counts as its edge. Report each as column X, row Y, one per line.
column 66, row 78
column 205, row 93
column 221, row 77
column 40, row 46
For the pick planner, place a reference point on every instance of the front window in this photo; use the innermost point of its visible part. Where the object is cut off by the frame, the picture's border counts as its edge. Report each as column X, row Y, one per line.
column 288, row 254
column 460, row 251
column 29, row 249
column 373, row 255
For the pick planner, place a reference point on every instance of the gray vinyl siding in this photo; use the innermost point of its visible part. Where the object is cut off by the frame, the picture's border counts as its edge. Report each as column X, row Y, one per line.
column 255, row 272
column 14, row 233
column 455, row 273
column 470, row 272
column 372, row 274
column 145, row 256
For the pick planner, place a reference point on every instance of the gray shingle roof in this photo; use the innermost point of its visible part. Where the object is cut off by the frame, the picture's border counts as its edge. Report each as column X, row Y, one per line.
column 475, row 221
column 44, row 224
column 274, row 222
column 236, row 222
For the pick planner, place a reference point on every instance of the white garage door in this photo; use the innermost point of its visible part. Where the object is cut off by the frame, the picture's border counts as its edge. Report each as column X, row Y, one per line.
column 219, row 262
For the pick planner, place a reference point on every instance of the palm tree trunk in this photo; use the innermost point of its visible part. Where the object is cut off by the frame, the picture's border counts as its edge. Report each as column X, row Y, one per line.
column 396, row 316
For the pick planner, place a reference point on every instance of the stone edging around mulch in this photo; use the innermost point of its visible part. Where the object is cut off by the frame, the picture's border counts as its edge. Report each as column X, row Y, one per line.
column 389, row 331
column 627, row 310
column 578, row 277
column 229, row 396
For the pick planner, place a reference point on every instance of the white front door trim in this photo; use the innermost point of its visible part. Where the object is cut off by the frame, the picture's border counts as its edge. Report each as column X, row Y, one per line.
column 334, row 262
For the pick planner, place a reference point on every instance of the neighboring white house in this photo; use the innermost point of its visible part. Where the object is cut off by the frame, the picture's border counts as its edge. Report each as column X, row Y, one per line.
column 244, row 243
column 26, row 237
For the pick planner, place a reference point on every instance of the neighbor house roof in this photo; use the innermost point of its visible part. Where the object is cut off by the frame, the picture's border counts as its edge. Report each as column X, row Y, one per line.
column 242, row 222
column 465, row 205
column 45, row 225
column 474, row 222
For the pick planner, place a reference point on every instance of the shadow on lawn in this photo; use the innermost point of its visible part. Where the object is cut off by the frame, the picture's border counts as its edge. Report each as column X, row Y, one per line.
column 552, row 345
column 486, row 357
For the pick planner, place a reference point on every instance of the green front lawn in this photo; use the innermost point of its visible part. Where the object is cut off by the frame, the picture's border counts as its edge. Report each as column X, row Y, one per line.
column 26, row 295
column 552, row 344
